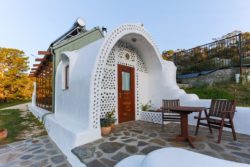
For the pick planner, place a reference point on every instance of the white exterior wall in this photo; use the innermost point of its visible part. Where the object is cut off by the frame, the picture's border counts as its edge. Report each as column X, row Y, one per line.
column 144, row 95
column 72, row 104
column 70, row 125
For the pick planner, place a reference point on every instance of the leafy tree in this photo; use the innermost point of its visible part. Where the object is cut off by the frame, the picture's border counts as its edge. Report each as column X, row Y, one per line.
column 14, row 81
column 167, row 54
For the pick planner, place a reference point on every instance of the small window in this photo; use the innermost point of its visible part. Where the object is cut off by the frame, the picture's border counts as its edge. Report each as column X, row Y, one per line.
column 125, row 81
column 67, row 77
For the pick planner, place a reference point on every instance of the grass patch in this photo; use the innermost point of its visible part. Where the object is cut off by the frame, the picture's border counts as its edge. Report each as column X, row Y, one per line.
column 15, row 123
column 12, row 103
column 210, row 93
column 241, row 93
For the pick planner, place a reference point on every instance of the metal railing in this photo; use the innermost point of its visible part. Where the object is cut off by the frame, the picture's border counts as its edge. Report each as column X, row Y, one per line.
column 229, row 52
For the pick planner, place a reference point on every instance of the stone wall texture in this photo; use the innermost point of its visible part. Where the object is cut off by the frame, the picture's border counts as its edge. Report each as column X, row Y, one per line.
column 224, row 75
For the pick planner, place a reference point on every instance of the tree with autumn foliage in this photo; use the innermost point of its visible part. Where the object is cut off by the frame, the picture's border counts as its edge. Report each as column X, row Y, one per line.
column 14, row 80
column 167, row 54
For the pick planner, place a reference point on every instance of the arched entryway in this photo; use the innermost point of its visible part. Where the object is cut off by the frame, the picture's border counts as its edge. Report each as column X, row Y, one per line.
column 132, row 47
column 122, row 79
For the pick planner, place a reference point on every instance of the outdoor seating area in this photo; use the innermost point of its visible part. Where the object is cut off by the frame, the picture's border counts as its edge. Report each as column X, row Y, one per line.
column 141, row 138
column 220, row 115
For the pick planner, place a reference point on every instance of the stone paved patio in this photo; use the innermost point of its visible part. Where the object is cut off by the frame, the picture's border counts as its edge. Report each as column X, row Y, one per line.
column 37, row 152
column 140, row 137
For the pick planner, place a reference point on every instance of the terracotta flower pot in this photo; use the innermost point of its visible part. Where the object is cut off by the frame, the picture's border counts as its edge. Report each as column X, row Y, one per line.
column 106, row 130
column 112, row 126
column 3, row 133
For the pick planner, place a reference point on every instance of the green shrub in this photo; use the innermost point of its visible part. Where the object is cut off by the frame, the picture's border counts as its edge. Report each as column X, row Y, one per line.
column 146, row 107
column 239, row 92
column 105, row 122
column 111, row 116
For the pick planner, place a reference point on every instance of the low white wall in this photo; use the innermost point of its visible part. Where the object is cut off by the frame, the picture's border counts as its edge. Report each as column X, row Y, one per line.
column 39, row 113
column 242, row 120
column 149, row 116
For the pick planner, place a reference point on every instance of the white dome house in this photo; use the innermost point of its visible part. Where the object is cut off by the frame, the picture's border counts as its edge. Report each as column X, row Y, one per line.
column 89, row 74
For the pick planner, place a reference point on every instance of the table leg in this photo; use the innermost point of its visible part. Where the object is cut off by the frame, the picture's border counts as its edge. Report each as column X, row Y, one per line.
column 184, row 131
column 184, row 125
column 190, row 141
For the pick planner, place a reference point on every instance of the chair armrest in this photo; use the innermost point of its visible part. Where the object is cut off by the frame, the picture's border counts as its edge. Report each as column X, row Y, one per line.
column 159, row 110
column 206, row 109
column 164, row 109
column 202, row 118
column 224, row 112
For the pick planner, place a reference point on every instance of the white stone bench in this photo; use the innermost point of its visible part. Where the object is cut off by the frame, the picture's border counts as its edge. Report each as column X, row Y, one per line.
column 176, row 157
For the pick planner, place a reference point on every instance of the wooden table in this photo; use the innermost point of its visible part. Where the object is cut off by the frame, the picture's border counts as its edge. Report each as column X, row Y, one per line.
column 184, row 111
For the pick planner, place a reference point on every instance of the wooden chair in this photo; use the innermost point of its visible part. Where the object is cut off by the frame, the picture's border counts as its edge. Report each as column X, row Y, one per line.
column 221, row 113
column 168, row 115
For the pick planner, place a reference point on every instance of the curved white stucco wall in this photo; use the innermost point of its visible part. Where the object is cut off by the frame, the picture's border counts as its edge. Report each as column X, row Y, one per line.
column 72, row 104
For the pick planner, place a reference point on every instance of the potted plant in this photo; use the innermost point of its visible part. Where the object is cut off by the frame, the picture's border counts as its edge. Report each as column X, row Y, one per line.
column 105, row 126
column 111, row 117
column 146, row 107
column 3, row 133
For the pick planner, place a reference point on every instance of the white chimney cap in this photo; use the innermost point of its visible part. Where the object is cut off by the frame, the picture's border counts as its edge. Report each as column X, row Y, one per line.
column 80, row 22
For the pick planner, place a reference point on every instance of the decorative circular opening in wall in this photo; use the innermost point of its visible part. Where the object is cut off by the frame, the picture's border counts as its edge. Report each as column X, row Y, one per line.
column 127, row 56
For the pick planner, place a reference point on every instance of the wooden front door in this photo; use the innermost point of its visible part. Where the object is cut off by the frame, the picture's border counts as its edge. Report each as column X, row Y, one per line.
column 126, row 94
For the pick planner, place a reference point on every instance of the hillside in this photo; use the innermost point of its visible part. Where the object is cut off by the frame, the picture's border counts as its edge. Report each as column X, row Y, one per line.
column 224, row 91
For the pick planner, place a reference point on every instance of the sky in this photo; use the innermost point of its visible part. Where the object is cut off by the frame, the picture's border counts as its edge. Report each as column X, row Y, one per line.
column 31, row 25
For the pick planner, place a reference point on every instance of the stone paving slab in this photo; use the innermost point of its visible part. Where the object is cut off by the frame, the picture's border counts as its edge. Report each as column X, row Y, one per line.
column 36, row 152
column 140, row 138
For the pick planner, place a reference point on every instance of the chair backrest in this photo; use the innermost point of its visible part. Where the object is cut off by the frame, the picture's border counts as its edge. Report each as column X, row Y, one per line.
column 221, row 105
column 170, row 103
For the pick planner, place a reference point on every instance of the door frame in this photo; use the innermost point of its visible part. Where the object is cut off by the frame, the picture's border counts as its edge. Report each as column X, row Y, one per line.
column 121, row 68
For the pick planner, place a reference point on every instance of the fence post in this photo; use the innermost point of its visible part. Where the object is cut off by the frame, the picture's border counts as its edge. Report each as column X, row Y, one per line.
column 174, row 58
column 240, row 54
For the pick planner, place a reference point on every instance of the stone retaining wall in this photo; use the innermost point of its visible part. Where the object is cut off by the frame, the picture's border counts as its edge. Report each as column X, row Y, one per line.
column 218, row 76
